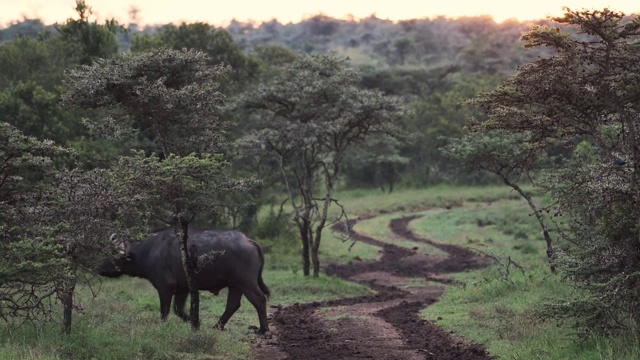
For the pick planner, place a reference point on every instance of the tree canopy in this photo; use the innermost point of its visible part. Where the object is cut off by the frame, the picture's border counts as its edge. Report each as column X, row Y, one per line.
column 572, row 118
column 217, row 43
column 310, row 116
column 30, row 262
column 170, row 99
column 89, row 40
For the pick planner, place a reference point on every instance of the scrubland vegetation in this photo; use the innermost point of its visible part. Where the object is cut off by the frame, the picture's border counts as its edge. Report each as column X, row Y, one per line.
column 489, row 306
column 521, row 146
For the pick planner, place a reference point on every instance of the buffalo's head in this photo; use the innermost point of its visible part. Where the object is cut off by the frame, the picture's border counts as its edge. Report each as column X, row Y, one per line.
column 119, row 264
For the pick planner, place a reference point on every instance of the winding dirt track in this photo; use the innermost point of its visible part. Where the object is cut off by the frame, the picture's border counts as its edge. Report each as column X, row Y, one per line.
column 386, row 325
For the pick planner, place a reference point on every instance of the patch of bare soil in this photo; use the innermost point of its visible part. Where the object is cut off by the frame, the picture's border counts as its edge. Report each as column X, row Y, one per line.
column 385, row 325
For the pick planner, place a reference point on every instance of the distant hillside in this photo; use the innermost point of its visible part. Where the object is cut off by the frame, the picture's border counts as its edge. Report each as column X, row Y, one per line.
column 478, row 44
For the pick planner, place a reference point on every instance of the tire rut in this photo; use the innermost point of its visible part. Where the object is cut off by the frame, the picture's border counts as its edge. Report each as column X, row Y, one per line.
column 386, row 325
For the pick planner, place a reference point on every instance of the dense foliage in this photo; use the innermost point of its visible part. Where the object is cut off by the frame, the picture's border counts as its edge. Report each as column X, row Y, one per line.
column 168, row 99
column 31, row 263
column 433, row 64
column 308, row 118
column 565, row 121
column 573, row 117
column 217, row 43
column 89, row 40
column 31, row 79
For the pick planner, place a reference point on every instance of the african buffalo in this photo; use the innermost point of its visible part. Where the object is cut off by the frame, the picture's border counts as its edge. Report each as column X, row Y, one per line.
column 237, row 266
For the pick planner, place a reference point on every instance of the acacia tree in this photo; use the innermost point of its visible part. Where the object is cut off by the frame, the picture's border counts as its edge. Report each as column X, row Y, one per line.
column 32, row 72
column 171, row 96
column 504, row 155
column 89, row 40
column 217, row 43
column 82, row 210
column 52, row 223
column 377, row 163
column 581, row 106
column 309, row 117
column 31, row 263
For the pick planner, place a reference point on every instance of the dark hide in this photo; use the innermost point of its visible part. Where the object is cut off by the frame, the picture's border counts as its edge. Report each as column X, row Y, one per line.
column 238, row 267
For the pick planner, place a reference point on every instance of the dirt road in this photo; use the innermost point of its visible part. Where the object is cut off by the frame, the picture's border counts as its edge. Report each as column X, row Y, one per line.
column 386, row 325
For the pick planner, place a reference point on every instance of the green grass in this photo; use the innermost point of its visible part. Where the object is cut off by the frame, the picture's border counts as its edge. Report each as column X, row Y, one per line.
column 288, row 288
column 503, row 317
column 378, row 228
column 356, row 56
column 358, row 202
column 492, row 308
column 285, row 252
column 373, row 201
column 497, row 314
column 501, row 311
column 122, row 322
column 334, row 248
column 503, row 228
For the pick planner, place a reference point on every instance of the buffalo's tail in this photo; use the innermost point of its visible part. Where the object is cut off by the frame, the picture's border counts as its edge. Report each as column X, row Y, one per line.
column 261, row 283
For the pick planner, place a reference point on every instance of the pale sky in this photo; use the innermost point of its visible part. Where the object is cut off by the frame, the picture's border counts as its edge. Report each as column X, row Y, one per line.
column 218, row 12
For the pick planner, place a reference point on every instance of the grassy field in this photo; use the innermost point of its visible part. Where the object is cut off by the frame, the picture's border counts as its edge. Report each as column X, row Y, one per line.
column 497, row 306
column 493, row 308
column 123, row 322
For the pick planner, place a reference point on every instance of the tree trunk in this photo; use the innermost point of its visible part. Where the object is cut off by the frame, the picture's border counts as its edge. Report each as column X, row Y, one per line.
column 635, row 150
column 314, row 253
column 540, row 218
column 304, row 236
column 67, row 301
column 190, row 263
column 194, row 289
column 328, row 198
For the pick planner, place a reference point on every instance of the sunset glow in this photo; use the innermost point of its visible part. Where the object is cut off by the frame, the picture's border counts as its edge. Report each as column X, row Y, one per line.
column 221, row 12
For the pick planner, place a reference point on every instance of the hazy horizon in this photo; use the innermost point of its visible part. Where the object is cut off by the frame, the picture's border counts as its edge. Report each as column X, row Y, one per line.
column 159, row 12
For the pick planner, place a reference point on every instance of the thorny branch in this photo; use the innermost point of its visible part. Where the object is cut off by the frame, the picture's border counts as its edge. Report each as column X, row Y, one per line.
column 24, row 302
column 346, row 235
column 505, row 265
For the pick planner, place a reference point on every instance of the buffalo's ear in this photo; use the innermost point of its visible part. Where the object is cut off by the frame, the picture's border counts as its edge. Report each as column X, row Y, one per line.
column 130, row 257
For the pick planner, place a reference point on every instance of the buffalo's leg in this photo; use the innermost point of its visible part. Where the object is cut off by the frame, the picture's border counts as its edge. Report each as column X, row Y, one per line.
column 233, row 304
column 165, row 302
column 259, row 301
column 180, row 299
